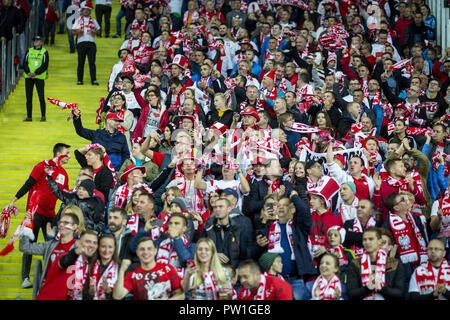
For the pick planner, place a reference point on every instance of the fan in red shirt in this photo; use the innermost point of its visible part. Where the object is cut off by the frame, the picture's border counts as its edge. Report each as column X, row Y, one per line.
column 151, row 280
column 257, row 286
column 47, row 201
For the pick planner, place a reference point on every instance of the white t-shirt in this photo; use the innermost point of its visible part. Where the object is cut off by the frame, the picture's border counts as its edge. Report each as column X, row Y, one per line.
column 87, row 35
column 414, row 287
column 215, row 185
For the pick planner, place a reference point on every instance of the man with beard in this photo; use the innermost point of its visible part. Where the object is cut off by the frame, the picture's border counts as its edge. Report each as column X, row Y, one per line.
column 117, row 222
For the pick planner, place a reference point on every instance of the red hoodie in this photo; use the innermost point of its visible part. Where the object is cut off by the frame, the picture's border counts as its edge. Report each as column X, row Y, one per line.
column 320, row 225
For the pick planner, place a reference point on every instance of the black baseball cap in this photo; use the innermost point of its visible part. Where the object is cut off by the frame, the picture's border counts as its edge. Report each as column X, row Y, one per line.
column 37, row 38
column 310, row 163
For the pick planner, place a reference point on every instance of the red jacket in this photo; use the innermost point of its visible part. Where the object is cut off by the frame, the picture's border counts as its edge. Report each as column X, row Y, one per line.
column 400, row 28
column 386, row 189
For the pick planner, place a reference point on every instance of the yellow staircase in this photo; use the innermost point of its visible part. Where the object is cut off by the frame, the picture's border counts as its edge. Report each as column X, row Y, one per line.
column 24, row 144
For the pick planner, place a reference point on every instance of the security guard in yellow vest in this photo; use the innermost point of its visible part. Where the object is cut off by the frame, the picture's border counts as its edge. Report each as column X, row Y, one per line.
column 35, row 72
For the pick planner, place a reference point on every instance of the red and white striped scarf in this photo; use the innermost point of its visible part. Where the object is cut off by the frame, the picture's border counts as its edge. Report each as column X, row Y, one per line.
column 167, row 254
column 357, row 227
column 444, row 205
column 210, row 284
column 260, row 293
column 327, row 288
column 380, row 270
column 90, row 26
column 274, row 237
column 123, row 195
column 133, row 223
column 402, row 184
column 198, row 199
column 426, row 279
column 339, row 252
column 110, row 274
column 406, row 249
column 79, row 277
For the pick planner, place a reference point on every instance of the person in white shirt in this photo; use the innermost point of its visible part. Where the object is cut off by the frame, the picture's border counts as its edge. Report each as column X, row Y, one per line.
column 117, row 68
column 86, row 28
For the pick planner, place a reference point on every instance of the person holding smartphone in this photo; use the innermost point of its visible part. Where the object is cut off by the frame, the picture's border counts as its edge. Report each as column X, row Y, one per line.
column 206, row 278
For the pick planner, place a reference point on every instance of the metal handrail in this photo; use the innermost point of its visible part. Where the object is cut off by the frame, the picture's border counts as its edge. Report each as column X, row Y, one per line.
column 10, row 49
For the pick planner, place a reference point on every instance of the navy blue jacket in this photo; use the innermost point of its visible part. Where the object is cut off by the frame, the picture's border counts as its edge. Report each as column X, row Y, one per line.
column 115, row 144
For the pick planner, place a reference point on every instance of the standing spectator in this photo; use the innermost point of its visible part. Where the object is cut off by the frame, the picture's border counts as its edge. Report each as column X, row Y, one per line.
column 86, row 28
column 114, row 141
column 51, row 18
column 35, row 68
column 47, row 201
column 416, row 31
column 10, row 18
column 429, row 21
column 53, row 287
column 103, row 8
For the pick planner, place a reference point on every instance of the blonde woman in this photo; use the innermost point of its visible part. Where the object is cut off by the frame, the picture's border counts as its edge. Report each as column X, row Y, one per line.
column 206, row 278
column 221, row 112
column 131, row 205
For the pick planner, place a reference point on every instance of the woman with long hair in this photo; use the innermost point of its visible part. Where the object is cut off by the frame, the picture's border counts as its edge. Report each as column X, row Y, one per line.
column 131, row 205
column 166, row 198
column 104, row 269
column 206, row 278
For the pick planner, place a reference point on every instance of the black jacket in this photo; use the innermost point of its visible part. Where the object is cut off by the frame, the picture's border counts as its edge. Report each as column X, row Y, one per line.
column 93, row 208
column 394, row 279
column 234, row 244
column 114, row 144
column 103, row 179
column 258, row 191
column 302, row 224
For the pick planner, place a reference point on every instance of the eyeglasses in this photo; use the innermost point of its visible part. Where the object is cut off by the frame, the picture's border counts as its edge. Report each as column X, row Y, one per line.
column 401, row 200
column 407, row 159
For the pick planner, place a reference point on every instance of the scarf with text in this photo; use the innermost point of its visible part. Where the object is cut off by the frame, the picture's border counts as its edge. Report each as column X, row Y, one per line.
column 426, row 279
column 406, row 248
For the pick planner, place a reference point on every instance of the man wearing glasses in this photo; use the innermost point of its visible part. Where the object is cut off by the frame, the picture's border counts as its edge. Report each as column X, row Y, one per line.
column 409, row 233
column 431, row 280
column 54, row 277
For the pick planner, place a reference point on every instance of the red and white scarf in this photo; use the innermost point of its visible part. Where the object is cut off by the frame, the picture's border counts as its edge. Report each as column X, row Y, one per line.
column 327, row 288
column 198, row 198
column 79, row 278
column 189, row 17
column 133, row 223
column 348, row 212
column 357, row 227
column 444, row 205
column 123, row 195
column 167, row 254
column 380, row 270
column 210, row 284
column 110, row 274
column 426, row 279
column 90, row 26
column 402, row 184
column 339, row 252
column 260, row 293
column 274, row 237
column 406, row 249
